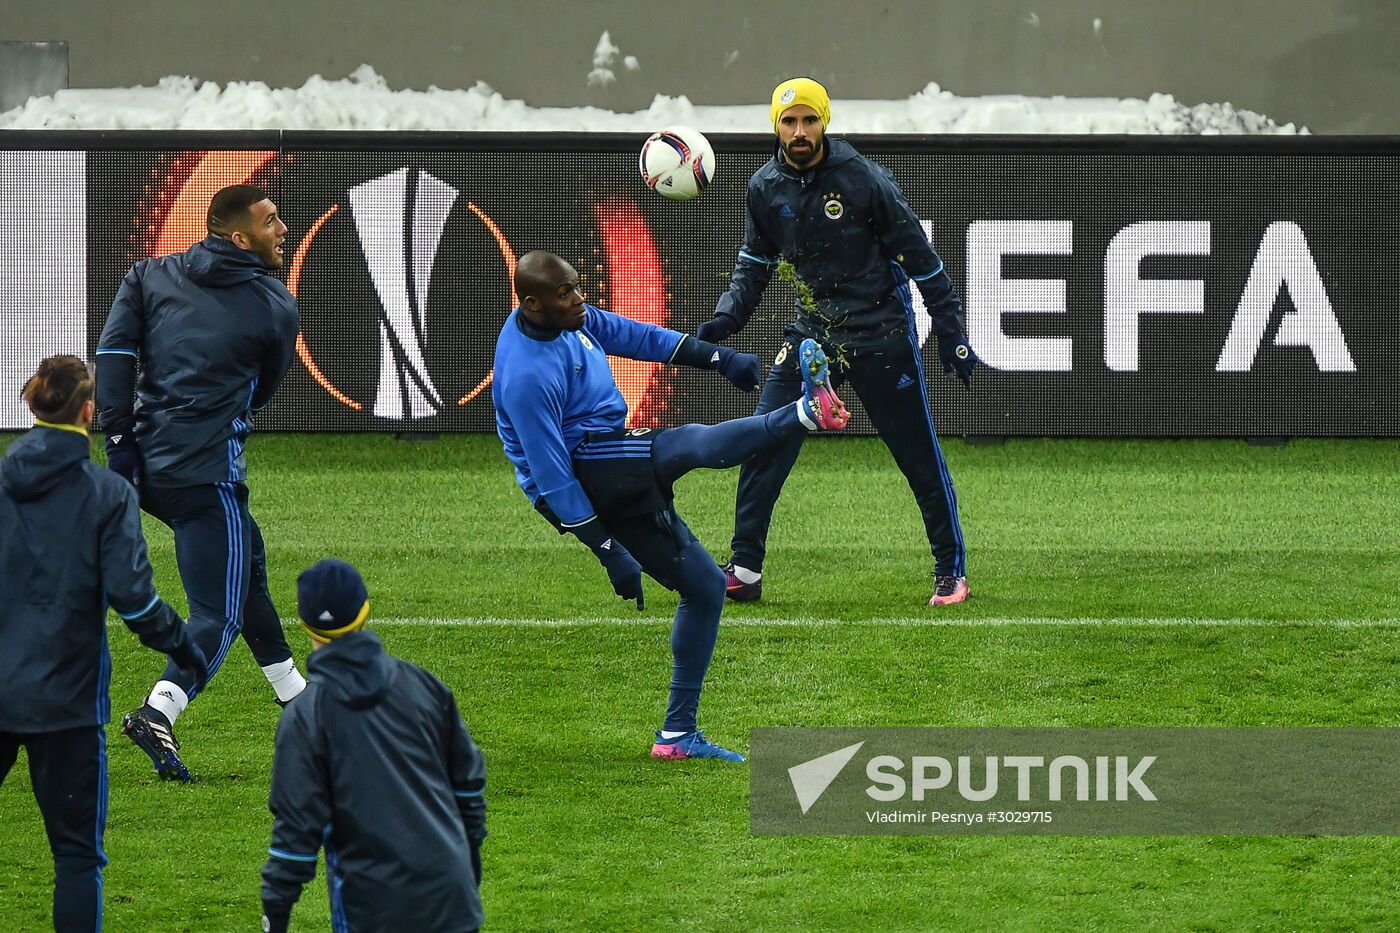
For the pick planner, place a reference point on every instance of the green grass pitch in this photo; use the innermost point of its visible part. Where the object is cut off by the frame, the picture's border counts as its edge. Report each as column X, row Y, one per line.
column 1114, row 583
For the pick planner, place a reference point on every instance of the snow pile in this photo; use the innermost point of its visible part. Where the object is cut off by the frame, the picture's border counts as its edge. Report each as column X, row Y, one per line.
column 364, row 101
column 603, row 55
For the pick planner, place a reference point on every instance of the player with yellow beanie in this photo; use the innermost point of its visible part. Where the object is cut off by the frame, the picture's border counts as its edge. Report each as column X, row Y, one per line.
column 856, row 244
column 800, row 112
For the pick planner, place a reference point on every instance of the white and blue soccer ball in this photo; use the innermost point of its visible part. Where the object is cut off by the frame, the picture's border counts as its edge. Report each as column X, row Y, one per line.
column 677, row 162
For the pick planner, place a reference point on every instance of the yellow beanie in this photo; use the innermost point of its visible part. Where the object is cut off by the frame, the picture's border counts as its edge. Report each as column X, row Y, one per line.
column 796, row 91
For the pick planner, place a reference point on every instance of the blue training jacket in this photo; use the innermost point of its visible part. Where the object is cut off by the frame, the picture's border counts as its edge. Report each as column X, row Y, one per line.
column 70, row 545
column 552, row 388
column 852, row 238
column 214, row 333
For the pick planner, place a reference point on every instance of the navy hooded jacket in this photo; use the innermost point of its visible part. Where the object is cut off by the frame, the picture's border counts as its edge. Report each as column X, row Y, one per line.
column 374, row 764
column 214, row 333
column 70, row 544
column 853, row 240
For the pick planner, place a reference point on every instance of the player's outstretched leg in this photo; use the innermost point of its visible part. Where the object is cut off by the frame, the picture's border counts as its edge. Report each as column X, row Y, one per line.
column 677, row 451
column 777, row 433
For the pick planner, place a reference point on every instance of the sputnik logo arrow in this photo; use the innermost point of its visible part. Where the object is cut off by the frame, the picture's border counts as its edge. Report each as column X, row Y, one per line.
column 811, row 778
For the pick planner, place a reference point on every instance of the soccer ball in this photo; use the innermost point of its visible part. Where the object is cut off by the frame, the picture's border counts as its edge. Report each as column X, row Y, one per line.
column 677, row 162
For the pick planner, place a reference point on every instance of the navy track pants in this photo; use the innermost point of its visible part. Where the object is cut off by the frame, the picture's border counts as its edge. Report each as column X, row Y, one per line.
column 68, row 770
column 223, row 566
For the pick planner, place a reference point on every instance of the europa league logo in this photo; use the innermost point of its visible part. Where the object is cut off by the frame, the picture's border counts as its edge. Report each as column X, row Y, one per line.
column 403, row 283
column 399, row 219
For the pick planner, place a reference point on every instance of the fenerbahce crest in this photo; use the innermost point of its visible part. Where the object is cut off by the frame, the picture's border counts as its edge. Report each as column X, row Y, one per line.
column 403, row 282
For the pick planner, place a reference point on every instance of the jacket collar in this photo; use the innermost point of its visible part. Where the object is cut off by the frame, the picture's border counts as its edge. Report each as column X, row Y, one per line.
column 534, row 331
column 40, row 423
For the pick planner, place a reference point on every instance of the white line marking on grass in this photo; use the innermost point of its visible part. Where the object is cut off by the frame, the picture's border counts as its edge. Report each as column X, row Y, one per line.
column 911, row 622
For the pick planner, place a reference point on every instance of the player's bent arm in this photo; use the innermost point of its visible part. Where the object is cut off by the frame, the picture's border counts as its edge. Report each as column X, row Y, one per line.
column 639, row 341
column 276, row 361
column 535, row 409
column 904, row 241
column 746, row 285
column 758, row 257
column 741, row 369
column 636, row 340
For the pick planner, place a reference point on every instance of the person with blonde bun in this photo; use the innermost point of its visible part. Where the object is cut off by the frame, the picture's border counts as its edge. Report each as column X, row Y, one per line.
column 70, row 546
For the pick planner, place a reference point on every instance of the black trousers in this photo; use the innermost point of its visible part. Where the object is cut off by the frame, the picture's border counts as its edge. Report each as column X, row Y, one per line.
column 69, row 772
column 889, row 379
column 223, row 566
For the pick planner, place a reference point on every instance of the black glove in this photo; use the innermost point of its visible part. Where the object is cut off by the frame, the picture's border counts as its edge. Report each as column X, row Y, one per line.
column 475, row 845
column 741, row 369
column 275, row 920
column 190, row 659
column 957, row 356
column 717, row 328
column 623, row 570
column 123, row 457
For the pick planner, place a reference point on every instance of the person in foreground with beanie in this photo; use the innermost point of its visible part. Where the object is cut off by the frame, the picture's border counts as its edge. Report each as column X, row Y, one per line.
column 70, row 546
column 854, row 244
column 374, row 765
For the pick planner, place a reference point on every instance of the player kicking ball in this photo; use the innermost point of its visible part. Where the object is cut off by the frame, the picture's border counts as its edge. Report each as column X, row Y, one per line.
column 562, row 422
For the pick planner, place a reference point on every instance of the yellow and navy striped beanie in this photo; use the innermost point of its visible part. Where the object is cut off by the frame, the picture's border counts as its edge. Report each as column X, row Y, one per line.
column 796, row 91
column 331, row 600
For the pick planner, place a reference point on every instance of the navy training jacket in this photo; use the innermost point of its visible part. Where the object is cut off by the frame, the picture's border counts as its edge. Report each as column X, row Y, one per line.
column 853, row 240
column 374, row 763
column 70, row 544
column 214, row 333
